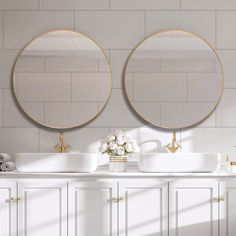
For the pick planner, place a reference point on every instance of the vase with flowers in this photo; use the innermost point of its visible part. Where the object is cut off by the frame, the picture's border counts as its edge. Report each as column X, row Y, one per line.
column 118, row 146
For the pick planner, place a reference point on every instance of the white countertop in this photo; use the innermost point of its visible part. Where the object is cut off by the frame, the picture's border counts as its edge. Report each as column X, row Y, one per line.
column 104, row 173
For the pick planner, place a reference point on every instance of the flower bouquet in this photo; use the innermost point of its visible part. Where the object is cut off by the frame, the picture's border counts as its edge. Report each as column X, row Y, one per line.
column 118, row 146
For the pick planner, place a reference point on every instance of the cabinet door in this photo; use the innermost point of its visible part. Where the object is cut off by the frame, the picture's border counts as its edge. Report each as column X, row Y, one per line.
column 143, row 208
column 228, row 208
column 91, row 209
column 192, row 209
column 8, row 208
column 42, row 209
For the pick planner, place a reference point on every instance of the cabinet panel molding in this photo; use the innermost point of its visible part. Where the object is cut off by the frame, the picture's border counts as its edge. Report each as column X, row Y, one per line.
column 143, row 208
column 193, row 209
column 42, row 208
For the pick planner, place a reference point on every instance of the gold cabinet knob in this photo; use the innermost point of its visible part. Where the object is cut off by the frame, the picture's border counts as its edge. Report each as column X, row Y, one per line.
column 115, row 199
column 217, row 200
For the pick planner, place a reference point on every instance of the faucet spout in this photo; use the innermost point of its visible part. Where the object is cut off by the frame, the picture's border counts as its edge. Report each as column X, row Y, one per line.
column 173, row 147
column 61, row 147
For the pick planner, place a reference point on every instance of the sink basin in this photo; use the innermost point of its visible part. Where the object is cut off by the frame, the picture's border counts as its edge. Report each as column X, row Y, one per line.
column 56, row 162
column 179, row 162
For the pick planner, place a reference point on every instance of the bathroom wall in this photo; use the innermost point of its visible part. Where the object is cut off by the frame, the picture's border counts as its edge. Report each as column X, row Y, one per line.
column 118, row 25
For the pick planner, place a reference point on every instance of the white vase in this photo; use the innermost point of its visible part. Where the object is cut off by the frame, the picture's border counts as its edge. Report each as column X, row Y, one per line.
column 117, row 163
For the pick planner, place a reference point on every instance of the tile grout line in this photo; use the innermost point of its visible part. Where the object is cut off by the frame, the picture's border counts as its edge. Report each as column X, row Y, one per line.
column 3, row 29
column 216, row 46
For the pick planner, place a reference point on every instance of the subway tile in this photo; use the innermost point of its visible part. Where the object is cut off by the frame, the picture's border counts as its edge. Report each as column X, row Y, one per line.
column 160, row 87
column 91, row 86
column 145, row 5
column 29, row 64
column 209, row 122
column 226, row 110
column 228, row 59
column 112, row 29
column 187, row 65
column 144, row 65
column 118, row 62
column 117, row 113
column 35, row 110
column 21, row 26
column 209, row 140
column 226, row 36
column 205, row 87
column 199, row 22
column 14, row 140
column 82, row 140
column 44, row 87
column 18, row 5
column 184, row 114
column 70, row 64
column 74, row 5
column 151, row 112
column 64, row 114
column 7, row 59
column 13, row 116
column 1, row 107
column 208, row 5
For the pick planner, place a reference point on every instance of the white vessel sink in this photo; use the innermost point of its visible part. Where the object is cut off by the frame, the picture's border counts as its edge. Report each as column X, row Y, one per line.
column 179, row 162
column 56, row 162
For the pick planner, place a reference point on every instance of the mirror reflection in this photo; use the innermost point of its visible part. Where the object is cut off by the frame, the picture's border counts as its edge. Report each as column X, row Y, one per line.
column 62, row 79
column 173, row 79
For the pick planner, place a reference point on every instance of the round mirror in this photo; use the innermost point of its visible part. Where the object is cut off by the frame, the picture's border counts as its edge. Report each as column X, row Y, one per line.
column 174, row 79
column 62, row 79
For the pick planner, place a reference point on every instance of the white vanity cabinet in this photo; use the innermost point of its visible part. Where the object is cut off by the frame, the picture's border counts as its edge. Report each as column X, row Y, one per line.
column 143, row 208
column 42, row 208
column 91, row 210
column 193, row 207
column 89, row 205
column 228, row 208
column 8, row 208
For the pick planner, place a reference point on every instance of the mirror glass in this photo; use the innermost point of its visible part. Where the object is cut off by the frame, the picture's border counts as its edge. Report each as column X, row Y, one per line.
column 62, row 79
column 173, row 79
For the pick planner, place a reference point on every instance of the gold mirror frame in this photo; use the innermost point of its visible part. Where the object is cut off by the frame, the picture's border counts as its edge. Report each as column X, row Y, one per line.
column 203, row 40
column 55, row 127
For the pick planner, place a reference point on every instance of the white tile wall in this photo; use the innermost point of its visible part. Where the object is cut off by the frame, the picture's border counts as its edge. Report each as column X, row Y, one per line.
column 22, row 26
column 145, row 5
column 118, row 26
column 7, row 58
column 13, row 117
column 73, row 5
column 1, row 107
column 199, row 22
column 18, row 5
column 112, row 29
column 226, row 36
column 208, row 5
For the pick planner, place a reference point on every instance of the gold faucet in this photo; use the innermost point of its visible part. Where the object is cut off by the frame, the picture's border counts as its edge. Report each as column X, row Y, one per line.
column 173, row 146
column 61, row 146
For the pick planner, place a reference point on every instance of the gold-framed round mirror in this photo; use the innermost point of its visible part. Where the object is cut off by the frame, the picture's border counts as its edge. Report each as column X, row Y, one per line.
column 173, row 79
column 62, row 79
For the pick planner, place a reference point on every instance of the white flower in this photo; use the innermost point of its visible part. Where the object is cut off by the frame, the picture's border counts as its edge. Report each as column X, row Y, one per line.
column 120, row 151
column 117, row 133
column 135, row 147
column 110, row 138
column 129, row 147
column 120, row 140
column 103, row 147
column 113, row 145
